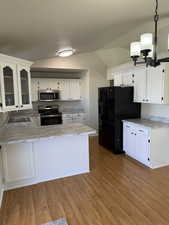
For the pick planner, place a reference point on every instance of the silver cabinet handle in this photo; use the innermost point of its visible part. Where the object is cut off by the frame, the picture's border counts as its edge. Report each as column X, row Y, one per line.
column 141, row 131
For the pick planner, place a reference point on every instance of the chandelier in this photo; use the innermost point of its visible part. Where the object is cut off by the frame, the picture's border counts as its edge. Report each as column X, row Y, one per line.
column 147, row 47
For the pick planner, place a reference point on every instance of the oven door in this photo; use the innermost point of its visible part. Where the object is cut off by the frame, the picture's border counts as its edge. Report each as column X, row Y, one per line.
column 50, row 120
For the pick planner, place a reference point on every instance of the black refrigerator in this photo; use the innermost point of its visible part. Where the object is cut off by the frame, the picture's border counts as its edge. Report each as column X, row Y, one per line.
column 115, row 104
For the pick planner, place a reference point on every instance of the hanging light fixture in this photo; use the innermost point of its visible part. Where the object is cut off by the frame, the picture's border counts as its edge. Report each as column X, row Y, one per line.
column 147, row 47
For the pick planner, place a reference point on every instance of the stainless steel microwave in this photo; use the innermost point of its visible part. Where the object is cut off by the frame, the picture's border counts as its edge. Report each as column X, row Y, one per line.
column 48, row 95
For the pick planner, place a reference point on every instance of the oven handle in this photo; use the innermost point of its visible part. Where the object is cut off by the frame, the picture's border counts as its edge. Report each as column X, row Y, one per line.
column 46, row 116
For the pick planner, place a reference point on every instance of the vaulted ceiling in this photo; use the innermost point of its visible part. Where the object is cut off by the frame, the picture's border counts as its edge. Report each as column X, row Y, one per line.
column 35, row 29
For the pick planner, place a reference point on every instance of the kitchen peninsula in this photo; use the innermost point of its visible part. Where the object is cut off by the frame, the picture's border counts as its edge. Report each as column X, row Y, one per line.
column 32, row 153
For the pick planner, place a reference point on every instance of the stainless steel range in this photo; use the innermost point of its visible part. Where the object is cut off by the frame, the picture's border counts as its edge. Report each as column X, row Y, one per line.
column 50, row 115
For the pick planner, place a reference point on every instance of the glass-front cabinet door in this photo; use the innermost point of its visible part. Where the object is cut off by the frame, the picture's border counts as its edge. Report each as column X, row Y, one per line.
column 24, row 87
column 9, row 89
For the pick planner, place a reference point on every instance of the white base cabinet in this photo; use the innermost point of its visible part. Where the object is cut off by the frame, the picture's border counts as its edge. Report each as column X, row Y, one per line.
column 45, row 159
column 148, row 146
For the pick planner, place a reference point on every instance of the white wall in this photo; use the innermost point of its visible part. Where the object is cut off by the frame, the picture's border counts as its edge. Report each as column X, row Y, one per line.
column 96, row 77
column 113, row 56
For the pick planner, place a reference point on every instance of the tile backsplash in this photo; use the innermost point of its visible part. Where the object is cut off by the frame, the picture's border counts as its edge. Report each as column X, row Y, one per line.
column 74, row 106
column 65, row 106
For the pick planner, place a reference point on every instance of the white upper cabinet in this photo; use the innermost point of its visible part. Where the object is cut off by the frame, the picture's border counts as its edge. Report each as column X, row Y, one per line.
column 140, row 84
column 9, row 86
column 74, row 89
column 15, row 84
column 118, row 80
column 43, row 83
column 69, row 88
column 65, row 89
column 128, row 79
column 24, row 87
column 151, row 85
column 155, row 84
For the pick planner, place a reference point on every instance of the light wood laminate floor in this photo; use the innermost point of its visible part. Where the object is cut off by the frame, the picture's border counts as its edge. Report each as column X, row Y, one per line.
column 117, row 191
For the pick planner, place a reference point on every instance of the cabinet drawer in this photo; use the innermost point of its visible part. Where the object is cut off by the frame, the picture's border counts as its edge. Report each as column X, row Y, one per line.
column 78, row 116
column 67, row 116
column 67, row 120
column 142, row 130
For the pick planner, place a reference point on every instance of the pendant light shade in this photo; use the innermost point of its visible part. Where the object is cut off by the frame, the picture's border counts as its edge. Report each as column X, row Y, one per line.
column 148, row 46
column 146, row 41
column 135, row 49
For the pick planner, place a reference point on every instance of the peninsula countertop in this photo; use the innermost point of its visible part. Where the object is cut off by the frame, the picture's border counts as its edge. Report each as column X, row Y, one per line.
column 17, row 133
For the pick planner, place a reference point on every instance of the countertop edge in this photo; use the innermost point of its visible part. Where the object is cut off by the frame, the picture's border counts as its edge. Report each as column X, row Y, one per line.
column 148, row 126
column 28, row 140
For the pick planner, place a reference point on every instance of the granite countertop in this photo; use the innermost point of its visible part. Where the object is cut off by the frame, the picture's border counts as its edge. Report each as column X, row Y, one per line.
column 148, row 123
column 32, row 131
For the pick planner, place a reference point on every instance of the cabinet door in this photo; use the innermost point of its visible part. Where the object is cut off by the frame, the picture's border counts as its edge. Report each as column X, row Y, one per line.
column 155, row 84
column 24, row 85
column 19, row 162
column 74, row 89
column 142, row 146
column 128, row 79
column 54, row 83
column 140, row 85
column 9, row 86
column 64, row 89
column 118, row 81
column 129, row 140
column 126, row 131
column 44, row 83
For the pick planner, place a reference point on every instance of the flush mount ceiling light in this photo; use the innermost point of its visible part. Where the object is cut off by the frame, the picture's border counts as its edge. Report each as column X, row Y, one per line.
column 65, row 52
column 147, row 47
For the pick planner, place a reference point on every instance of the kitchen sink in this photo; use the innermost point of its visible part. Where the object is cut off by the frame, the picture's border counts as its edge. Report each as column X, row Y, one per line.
column 19, row 120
